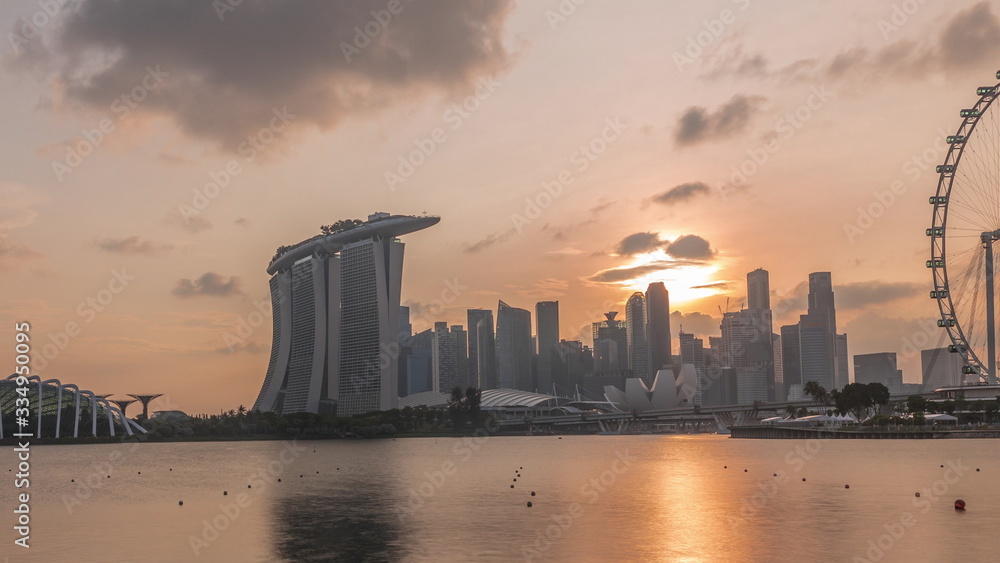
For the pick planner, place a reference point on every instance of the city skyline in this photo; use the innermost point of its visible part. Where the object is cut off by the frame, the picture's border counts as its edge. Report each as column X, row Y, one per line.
column 568, row 166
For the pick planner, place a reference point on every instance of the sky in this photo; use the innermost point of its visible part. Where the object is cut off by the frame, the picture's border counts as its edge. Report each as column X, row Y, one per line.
column 156, row 153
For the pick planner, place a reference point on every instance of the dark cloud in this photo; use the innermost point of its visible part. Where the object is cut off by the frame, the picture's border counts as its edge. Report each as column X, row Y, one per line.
column 697, row 124
column 616, row 275
column 859, row 295
column 638, row 243
column 132, row 245
column 209, row 283
column 242, row 221
column 716, row 285
column 490, row 240
column 971, row 38
column 227, row 71
column 680, row 193
column 690, row 246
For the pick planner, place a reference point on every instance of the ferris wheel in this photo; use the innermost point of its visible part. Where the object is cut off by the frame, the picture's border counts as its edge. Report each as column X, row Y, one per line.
column 964, row 229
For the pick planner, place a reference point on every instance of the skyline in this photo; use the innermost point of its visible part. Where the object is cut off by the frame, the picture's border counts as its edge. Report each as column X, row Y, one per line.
column 573, row 158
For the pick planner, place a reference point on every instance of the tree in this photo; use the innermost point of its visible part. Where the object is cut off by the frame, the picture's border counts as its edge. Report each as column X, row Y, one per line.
column 790, row 409
column 818, row 393
column 861, row 400
column 916, row 403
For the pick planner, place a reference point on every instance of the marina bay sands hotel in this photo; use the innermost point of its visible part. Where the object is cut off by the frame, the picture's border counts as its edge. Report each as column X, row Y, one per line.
column 335, row 304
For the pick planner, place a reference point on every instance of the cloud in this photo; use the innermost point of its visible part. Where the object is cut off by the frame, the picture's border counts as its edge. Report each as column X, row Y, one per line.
column 716, row 285
column 859, row 295
column 698, row 324
column 242, row 221
column 132, row 245
column 617, row 275
column 638, row 243
column 682, row 192
column 697, row 124
column 970, row 38
column 690, row 246
column 209, row 283
column 490, row 240
column 15, row 252
column 227, row 72
column 190, row 223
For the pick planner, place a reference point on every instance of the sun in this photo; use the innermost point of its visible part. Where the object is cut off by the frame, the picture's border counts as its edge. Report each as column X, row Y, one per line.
column 685, row 280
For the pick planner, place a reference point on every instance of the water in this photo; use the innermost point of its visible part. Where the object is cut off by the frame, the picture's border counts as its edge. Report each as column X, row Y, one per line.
column 598, row 498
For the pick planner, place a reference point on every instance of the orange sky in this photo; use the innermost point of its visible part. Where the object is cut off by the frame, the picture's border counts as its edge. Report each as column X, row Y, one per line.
column 544, row 140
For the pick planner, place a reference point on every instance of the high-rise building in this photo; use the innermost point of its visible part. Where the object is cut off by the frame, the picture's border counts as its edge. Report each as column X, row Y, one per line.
column 610, row 343
column 638, row 339
column 779, row 368
column 758, row 290
column 335, row 303
column 816, row 351
column 738, row 332
column 658, row 326
column 547, row 331
column 843, row 375
column 482, row 377
column 420, row 363
column 878, row 368
column 450, row 363
column 692, row 349
column 791, row 364
column 939, row 368
column 513, row 348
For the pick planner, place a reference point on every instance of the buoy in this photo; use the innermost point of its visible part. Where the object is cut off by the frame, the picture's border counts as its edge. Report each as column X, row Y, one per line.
column 847, row 486
column 803, row 479
column 774, row 475
column 140, row 473
column 301, row 476
column 977, row 469
column 529, row 504
column 317, row 472
column 72, row 480
column 338, row 469
column 171, row 468
column 916, row 495
column 180, row 503
column 744, row 470
column 109, row 476
column 224, row 493
column 522, row 467
column 560, row 437
column 532, row 493
column 959, row 504
column 942, row 466
column 515, row 479
column 512, row 486
column 279, row 480
column 248, row 486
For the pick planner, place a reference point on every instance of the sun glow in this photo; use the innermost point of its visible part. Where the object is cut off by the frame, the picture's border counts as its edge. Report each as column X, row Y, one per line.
column 686, row 280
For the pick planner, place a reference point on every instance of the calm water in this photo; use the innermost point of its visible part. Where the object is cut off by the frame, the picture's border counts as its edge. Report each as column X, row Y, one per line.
column 598, row 498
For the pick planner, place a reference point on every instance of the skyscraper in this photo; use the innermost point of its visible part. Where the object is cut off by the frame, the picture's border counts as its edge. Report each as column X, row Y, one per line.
column 791, row 364
column 658, row 323
column 610, row 343
column 638, row 341
column 821, row 360
column 335, row 303
column 758, row 290
column 878, row 368
column 483, row 377
column 940, row 368
column 513, row 348
column 547, row 330
column 450, row 364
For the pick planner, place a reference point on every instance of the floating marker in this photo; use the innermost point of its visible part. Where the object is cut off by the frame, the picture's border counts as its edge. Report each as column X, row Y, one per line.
column 180, row 503
column 803, row 479
column 977, row 469
column 847, row 486
column 532, row 493
column 744, row 470
column 959, row 504
column 140, row 473
column 279, row 480
column 224, row 493
column 248, row 486
column 72, row 480
column 512, row 486
column 916, row 495
column 529, row 504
